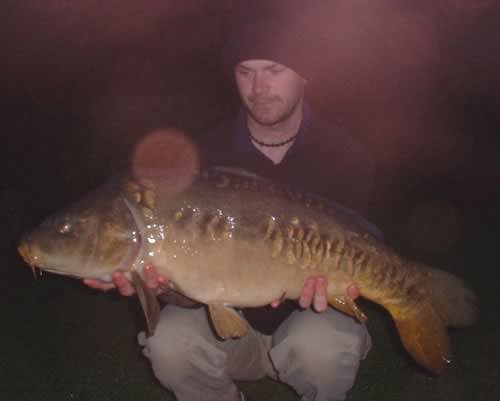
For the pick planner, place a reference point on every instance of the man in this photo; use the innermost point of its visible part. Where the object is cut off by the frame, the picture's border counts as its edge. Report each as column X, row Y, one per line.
column 274, row 135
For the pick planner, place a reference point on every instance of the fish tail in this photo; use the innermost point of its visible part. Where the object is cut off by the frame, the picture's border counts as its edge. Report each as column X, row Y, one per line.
column 422, row 325
column 424, row 335
column 457, row 304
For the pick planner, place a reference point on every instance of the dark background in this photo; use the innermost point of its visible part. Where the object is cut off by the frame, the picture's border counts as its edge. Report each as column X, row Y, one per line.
column 83, row 82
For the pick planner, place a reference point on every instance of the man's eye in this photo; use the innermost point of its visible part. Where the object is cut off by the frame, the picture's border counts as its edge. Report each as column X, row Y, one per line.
column 277, row 70
column 243, row 72
column 64, row 228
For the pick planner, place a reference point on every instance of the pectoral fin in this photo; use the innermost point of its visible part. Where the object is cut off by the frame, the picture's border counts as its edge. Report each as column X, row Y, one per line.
column 149, row 303
column 347, row 305
column 227, row 322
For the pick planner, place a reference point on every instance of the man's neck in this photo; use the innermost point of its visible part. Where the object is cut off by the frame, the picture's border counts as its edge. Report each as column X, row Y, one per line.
column 275, row 134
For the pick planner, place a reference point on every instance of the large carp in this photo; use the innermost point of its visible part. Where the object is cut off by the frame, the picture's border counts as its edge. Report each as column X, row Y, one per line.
column 230, row 240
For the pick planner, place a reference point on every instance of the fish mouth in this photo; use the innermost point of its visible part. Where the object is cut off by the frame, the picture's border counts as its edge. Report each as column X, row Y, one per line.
column 36, row 262
column 29, row 256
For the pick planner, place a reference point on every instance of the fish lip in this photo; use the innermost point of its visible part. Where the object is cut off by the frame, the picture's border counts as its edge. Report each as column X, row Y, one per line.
column 35, row 260
column 26, row 252
column 28, row 255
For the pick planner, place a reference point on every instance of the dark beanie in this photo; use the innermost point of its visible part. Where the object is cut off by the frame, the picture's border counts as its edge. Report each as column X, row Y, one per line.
column 266, row 39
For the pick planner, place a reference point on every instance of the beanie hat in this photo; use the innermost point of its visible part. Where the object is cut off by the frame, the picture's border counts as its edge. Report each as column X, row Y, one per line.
column 266, row 39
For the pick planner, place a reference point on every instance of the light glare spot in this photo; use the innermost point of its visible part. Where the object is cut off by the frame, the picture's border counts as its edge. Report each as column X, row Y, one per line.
column 168, row 157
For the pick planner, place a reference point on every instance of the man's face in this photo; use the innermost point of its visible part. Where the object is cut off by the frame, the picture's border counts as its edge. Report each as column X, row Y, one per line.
column 270, row 92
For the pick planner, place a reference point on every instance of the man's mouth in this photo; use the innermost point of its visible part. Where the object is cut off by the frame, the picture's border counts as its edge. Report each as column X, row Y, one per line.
column 262, row 101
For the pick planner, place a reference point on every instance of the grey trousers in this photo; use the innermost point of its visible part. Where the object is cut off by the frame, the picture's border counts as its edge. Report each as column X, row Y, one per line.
column 317, row 354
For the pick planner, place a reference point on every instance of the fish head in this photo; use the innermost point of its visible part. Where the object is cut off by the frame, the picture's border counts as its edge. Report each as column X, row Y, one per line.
column 92, row 238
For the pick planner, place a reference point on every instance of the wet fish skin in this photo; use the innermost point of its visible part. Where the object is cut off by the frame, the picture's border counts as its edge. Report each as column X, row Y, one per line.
column 232, row 239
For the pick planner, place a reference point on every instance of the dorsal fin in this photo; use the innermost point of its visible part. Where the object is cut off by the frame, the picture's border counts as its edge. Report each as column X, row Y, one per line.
column 350, row 219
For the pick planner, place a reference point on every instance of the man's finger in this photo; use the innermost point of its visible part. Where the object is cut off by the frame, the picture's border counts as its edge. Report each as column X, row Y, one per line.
column 306, row 298
column 320, row 302
column 151, row 276
column 123, row 285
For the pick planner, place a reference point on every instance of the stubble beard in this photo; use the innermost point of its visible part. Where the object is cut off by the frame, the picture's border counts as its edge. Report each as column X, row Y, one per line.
column 270, row 112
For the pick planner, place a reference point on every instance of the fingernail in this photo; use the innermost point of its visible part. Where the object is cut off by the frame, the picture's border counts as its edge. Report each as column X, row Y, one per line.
column 320, row 303
column 304, row 304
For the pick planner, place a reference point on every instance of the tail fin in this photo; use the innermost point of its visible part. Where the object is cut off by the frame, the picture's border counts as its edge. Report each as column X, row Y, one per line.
column 423, row 335
column 422, row 326
column 457, row 305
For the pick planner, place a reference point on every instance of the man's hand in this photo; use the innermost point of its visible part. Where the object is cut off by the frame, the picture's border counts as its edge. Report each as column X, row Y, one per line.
column 315, row 294
column 120, row 282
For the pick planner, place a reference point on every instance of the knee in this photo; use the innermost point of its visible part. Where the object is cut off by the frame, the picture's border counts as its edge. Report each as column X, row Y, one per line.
column 330, row 371
column 319, row 370
column 170, row 343
column 326, row 341
column 317, row 357
column 169, row 350
column 323, row 359
column 177, row 346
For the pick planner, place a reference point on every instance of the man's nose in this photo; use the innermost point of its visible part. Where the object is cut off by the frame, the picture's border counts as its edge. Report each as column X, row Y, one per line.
column 260, row 84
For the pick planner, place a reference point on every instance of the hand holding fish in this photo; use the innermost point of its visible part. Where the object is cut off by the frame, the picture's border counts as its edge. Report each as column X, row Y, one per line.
column 314, row 293
column 153, row 280
column 158, row 283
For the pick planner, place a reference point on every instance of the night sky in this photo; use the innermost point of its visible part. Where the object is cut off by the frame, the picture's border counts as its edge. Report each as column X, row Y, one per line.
column 84, row 82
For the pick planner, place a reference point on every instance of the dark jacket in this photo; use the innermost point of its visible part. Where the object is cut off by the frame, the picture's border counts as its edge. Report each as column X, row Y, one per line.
column 323, row 160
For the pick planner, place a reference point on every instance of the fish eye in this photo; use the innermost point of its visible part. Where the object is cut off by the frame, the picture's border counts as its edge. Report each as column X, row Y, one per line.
column 64, row 228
